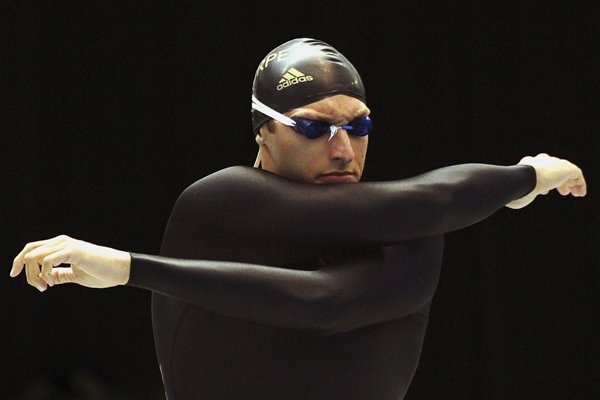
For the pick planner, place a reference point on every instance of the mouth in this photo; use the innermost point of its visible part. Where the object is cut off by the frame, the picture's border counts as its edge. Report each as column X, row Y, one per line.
column 337, row 176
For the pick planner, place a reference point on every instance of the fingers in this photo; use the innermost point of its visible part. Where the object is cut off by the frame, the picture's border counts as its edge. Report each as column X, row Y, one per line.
column 32, row 272
column 579, row 188
column 18, row 262
column 17, row 268
column 574, row 183
column 38, row 260
column 53, row 258
column 574, row 187
column 33, row 265
column 40, row 257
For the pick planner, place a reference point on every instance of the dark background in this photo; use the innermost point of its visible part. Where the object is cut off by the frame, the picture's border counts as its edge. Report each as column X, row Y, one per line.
column 115, row 107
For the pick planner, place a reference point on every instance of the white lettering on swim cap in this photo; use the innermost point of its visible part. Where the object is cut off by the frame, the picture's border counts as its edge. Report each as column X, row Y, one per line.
column 277, row 56
column 283, row 54
column 270, row 57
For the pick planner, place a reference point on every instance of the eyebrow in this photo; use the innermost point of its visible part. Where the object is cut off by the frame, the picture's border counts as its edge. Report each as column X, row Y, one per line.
column 315, row 115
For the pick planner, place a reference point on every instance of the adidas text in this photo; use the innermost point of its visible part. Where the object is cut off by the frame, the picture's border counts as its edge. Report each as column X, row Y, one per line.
column 294, row 81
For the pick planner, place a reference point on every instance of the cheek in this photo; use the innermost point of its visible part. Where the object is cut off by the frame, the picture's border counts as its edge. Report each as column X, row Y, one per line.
column 283, row 145
column 296, row 155
column 360, row 149
column 309, row 155
column 295, row 150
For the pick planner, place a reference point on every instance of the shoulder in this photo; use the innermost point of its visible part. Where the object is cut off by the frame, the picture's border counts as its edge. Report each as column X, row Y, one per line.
column 229, row 184
column 222, row 178
column 229, row 175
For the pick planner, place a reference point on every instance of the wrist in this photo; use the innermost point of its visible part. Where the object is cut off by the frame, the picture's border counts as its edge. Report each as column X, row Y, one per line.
column 123, row 264
column 534, row 182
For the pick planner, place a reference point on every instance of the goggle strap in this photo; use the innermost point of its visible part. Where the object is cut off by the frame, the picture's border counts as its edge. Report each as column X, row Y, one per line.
column 265, row 109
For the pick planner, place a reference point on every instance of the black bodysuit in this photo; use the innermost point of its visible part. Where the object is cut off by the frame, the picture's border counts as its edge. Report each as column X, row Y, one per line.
column 269, row 289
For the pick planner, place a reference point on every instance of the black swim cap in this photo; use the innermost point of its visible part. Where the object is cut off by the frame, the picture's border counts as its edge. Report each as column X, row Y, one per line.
column 300, row 72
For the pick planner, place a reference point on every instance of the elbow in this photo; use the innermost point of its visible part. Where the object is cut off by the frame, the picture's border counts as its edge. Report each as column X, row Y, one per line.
column 325, row 310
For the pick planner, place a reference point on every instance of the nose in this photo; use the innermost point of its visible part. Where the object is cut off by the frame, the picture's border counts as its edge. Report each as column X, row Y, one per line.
column 340, row 147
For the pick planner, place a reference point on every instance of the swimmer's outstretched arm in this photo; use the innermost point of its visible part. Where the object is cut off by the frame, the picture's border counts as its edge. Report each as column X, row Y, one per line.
column 277, row 222
column 97, row 266
column 345, row 294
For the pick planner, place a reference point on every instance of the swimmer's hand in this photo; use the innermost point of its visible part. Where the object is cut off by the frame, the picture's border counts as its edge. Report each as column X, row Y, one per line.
column 90, row 265
column 552, row 173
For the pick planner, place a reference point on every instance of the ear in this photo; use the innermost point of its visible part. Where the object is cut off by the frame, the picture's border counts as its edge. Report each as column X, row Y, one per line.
column 262, row 133
column 259, row 139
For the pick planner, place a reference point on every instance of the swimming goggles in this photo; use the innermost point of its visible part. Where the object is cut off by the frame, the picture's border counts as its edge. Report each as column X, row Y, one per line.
column 314, row 129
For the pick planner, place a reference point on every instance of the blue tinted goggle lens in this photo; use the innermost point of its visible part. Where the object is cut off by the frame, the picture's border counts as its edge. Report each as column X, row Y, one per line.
column 314, row 129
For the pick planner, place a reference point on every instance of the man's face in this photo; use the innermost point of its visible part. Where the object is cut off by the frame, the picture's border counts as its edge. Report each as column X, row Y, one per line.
column 292, row 155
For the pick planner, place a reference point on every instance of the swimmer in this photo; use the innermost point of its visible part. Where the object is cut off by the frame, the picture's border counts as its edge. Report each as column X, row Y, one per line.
column 295, row 280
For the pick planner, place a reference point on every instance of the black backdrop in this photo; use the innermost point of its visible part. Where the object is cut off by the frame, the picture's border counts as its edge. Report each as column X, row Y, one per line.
column 115, row 107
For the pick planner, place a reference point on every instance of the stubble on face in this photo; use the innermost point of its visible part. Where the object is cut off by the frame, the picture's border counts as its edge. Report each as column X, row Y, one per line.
column 341, row 159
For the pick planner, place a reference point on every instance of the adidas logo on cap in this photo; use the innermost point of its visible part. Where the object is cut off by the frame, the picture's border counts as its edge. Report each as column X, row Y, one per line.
column 293, row 77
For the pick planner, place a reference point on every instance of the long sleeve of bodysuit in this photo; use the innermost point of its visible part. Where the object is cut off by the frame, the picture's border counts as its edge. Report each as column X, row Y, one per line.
column 278, row 226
